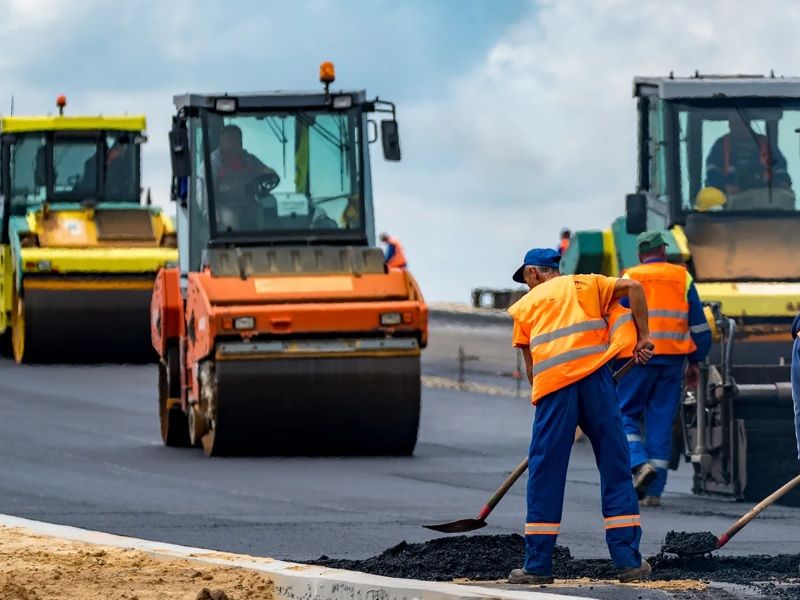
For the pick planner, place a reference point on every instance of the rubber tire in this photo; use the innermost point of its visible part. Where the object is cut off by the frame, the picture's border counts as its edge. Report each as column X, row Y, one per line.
column 6, row 349
column 173, row 423
column 20, row 347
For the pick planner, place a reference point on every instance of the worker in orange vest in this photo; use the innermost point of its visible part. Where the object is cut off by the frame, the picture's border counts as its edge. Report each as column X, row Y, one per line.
column 562, row 329
column 395, row 257
column 650, row 394
column 563, row 242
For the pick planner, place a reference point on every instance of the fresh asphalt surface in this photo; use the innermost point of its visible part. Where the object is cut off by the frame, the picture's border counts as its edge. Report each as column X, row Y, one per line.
column 80, row 446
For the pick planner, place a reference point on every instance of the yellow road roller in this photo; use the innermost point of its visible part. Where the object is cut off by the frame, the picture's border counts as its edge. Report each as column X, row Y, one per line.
column 79, row 249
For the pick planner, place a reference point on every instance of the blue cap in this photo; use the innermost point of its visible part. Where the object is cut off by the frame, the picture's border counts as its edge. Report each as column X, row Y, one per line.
column 537, row 257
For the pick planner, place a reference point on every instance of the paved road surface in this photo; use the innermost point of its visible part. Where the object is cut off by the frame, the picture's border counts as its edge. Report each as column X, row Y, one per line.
column 80, row 446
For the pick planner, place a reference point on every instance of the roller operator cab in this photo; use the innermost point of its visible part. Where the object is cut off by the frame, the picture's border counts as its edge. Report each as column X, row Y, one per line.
column 282, row 331
column 78, row 250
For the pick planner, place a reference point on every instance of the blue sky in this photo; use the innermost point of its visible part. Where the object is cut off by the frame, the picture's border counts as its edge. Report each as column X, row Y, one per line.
column 516, row 117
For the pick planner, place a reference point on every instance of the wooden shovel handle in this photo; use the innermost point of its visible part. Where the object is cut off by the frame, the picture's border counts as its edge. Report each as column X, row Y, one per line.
column 501, row 491
column 624, row 369
column 753, row 512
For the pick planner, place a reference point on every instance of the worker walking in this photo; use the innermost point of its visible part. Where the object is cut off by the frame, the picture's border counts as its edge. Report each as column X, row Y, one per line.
column 561, row 327
column 394, row 257
column 650, row 394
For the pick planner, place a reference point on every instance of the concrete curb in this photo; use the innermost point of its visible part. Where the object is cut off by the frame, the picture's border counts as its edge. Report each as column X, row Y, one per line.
column 293, row 581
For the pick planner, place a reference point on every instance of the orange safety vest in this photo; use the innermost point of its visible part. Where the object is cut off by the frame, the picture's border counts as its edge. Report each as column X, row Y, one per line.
column 665, row 287
column 763, row 156
column 398, row 259
column 563, row 246
column 567, row 344
column 622, row 330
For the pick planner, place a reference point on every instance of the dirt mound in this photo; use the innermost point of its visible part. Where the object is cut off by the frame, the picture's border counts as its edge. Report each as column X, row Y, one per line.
column 490, row 557
column 9, row 590
column 683, row 543
column 480, row 557
column 34, row 567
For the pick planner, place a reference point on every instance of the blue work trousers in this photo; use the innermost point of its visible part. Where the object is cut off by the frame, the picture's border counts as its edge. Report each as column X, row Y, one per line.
column 649, row 396
column 590, row 403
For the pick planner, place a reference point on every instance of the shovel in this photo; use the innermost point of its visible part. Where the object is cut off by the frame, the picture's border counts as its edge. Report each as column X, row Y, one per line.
column 464, row 525
column 704, row 545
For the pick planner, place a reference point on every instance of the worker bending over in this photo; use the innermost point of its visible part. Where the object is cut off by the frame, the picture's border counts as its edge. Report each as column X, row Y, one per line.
column 395, row 257
column 650, row 394
column 561, row 326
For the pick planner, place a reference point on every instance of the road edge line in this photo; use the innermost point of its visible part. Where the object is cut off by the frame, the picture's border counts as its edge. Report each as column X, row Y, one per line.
column 293, row 581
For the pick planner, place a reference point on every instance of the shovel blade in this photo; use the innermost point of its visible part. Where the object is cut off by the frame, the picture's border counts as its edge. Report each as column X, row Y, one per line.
column 461, row 526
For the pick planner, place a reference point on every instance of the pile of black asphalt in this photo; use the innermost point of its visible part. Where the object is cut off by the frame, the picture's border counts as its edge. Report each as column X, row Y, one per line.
column 492, row 557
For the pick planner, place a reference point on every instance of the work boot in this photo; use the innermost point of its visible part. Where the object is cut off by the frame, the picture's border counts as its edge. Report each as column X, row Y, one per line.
column 650, row 501
column 640, row 573
column 642, row 477
column 522, row 576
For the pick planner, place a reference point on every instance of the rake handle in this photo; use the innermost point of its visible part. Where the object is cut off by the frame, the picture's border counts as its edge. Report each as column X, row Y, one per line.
column 753, row 512
column 523, row 466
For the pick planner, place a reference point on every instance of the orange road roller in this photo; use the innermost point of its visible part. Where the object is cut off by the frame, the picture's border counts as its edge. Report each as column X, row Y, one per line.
column 281, row 331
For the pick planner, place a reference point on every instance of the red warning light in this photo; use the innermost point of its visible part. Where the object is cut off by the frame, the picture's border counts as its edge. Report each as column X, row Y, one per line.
column 61, row 102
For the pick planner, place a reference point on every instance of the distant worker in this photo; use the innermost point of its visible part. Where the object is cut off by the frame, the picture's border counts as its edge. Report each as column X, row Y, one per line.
column 796, row 380
column 394, row 257
column 650, row 394
column 743, row 160
column 561, row 328
column 563, row 243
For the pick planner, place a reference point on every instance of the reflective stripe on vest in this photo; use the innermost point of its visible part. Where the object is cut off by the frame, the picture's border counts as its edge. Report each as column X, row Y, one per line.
column 565, row 331
column 398, row 259
column 567, row 344
column 622, row 330
column 665, row 287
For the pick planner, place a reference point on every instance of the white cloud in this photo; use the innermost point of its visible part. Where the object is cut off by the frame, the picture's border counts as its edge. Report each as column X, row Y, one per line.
column 537, row 134
column 541, row 134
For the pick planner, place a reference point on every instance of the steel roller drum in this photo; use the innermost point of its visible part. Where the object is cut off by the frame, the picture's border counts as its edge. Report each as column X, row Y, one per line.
column 329, row 405
column 103, row 325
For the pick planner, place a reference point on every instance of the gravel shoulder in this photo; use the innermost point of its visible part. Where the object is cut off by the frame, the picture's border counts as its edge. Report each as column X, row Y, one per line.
column 35, row 567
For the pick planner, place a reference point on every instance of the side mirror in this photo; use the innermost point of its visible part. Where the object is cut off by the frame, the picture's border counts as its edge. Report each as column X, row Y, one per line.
column 179, row 153
column 391, row 140
column 635, row 213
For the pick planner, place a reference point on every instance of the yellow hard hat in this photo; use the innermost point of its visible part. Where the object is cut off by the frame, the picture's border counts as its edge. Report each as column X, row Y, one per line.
column 708, row 198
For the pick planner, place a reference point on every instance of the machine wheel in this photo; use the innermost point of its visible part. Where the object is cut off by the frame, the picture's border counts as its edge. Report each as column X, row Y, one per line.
column 173, row 372
column 174, row 426
column 19, row 332
column 197, row 425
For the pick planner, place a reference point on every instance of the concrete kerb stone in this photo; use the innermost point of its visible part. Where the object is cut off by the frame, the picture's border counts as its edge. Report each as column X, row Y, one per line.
column 293, row 581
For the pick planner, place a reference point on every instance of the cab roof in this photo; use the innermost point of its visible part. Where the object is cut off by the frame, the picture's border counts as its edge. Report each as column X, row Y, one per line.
column 271, row 99
column 72, row 123
column 716, row 86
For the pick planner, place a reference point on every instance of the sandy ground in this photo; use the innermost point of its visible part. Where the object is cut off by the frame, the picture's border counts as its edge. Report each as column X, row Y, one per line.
column 35, row 567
